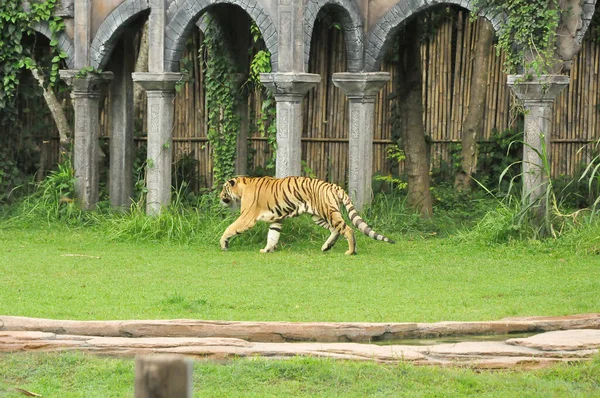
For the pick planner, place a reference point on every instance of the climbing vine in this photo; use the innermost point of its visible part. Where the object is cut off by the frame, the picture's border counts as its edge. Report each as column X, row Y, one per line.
column 261, row 63
column 16, row 24
column 528, row 35
column 18, row 53
column 222, row 97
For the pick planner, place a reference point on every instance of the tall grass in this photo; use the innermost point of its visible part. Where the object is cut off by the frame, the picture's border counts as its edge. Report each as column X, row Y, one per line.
column 519, row 216
column 51, row 201
column 484, row 215
column 592, row 174
column 191, row 219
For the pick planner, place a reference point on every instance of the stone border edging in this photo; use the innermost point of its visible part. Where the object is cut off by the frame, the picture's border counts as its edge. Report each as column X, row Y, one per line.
column 541, row 350
column 298, row 331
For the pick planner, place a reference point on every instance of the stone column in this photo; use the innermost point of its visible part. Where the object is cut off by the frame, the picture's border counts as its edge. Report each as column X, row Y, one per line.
column 289, row 90
column 122, row 151
column 361, row 90
column 82, row 32
column 538, row 95
column 85, row 93
column 160, row 89
column 156, row 35
column 290, row 17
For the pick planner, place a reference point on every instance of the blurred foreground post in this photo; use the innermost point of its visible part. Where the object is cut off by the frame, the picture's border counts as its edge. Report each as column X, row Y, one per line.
column 163, row 376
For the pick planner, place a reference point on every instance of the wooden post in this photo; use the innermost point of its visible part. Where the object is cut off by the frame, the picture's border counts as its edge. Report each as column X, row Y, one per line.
column 163, row 376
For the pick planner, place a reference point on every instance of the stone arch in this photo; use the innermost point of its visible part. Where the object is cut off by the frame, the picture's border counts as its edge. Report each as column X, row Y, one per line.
column 380, row 35
column 588, row 7
column 109, row 31
column 181, row 23
column 352, row 24
column 64, row 42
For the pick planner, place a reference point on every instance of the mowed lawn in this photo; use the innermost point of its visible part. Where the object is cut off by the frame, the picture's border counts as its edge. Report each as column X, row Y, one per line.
column 76, row 375
column 60, row 273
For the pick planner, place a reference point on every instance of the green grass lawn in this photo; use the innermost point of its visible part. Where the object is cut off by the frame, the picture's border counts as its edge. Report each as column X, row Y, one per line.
column 83, row 375
column 415, row 280
column 124, row 269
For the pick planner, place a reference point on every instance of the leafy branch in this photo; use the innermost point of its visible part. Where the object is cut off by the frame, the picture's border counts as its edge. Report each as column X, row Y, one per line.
column 528, row 35
column 16, row 23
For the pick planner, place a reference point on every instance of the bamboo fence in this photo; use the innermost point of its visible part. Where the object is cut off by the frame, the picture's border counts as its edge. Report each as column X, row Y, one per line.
column 447, row 67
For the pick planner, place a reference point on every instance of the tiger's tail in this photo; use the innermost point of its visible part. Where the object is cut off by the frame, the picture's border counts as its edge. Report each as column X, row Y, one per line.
column 358, row 221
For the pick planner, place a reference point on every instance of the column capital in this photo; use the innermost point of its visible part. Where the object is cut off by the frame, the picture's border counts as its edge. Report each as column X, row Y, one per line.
column 537, row 91
column 290, row 86
column 85, row 85
column 360, row 85
column 151, row 81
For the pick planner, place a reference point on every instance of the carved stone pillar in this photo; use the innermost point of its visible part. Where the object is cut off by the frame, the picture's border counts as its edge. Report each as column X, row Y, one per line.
column 160, row 89
column 538, row 95
column 289, row 90
column 85, row 92
column 122, row 152
column 361, row 90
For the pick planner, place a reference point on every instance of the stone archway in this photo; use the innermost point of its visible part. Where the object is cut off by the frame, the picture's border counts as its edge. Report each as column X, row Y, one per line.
column 380, row 36
column 181, row 23
column 64, row 42
column 110, row 30
column 352, row 25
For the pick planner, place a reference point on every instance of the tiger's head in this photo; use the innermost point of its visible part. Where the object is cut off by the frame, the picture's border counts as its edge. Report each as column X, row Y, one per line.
column 230, row 192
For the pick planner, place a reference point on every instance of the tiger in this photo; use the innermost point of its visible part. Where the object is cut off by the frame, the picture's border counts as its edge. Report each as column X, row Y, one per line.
column 272, row 200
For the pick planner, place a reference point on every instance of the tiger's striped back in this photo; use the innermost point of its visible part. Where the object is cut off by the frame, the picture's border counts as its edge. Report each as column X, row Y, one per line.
column 274, row 199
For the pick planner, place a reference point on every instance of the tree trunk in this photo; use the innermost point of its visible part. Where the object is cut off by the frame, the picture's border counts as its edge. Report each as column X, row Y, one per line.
column 411, row 114
column 58, row 114
column 473, row 123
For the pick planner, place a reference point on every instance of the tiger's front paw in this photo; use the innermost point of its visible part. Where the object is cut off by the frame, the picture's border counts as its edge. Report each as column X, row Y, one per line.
column 326, row 247
column 267, row 250
column 224, row 245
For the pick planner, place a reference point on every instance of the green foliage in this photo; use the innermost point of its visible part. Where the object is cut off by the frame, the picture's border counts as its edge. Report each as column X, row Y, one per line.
column 500, row 151
column 261, row 63
column 19, row 155
column 307, row 171
column 528, row 35
column 592, row 174
column 16, row 24
column 88, row 71
column 222, row 97
column 10, row 175
column 519, row 218
column 53, row 201
column 397, row 155
column 582, row 190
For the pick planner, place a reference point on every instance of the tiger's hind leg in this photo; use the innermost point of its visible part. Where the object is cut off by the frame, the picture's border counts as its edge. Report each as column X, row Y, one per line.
column 272, row 237
column 334, row 234
column 339, row 225
column 240, row 225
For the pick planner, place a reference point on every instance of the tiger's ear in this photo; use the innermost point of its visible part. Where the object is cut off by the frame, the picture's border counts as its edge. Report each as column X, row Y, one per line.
column 231, row 182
